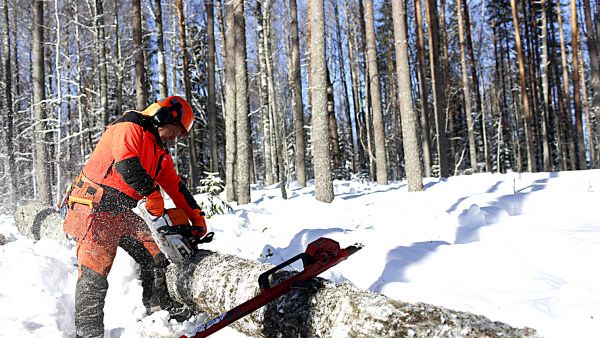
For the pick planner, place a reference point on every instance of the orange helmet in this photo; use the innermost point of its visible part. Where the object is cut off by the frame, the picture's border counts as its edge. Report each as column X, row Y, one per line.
column 174, row 110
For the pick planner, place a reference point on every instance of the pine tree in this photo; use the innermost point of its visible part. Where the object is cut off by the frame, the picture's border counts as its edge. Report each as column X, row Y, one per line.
column 409, row 118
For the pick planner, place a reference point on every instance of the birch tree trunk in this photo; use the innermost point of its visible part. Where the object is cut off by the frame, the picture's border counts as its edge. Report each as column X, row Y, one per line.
column 42, row 160
column 162, row 67
column 297, row 104
column 241, row 106
column 211, row 99
column 410, row 138
column 140, row 71
column 320, row 136
column 378, row 124
column 11, row 168
column 230, row 94
column 466, row 87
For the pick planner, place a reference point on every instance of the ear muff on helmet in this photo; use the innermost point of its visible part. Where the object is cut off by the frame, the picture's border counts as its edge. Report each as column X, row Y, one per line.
column 168, row 115
column 174, row 110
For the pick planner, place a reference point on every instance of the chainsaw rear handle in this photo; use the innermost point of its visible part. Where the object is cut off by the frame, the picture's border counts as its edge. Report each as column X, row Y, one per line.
column 263, row 279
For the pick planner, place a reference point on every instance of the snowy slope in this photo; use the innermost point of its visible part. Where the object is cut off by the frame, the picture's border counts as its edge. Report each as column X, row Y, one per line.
column 518, row 248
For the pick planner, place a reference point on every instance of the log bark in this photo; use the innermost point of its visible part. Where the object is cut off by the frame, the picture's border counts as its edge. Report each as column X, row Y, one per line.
column 214, row 283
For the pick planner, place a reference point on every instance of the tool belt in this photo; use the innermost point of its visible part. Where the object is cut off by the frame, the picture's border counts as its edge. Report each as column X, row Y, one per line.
column 82, row 200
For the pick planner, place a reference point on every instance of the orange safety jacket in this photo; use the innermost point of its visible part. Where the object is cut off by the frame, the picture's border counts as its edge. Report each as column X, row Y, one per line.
column 128, row 162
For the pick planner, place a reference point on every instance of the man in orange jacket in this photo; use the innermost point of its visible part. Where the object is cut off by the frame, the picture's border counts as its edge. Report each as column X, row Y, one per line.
column 130, row 162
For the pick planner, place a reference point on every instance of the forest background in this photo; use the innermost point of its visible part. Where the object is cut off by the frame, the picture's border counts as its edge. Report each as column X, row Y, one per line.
column 288, row 90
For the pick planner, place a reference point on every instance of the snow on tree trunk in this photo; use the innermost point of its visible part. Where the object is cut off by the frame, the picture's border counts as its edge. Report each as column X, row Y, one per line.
column 214, row 283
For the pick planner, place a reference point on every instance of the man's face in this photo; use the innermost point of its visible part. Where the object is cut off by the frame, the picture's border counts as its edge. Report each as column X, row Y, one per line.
column 169, row 132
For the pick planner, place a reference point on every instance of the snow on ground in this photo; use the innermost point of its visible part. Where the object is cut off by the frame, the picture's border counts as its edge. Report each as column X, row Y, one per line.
column 518, row 248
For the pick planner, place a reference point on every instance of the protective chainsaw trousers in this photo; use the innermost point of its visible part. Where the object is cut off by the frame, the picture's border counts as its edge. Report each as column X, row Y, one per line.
column 96, row 250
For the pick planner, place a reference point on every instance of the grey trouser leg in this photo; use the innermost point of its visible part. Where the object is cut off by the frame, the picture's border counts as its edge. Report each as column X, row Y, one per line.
column 90, row 294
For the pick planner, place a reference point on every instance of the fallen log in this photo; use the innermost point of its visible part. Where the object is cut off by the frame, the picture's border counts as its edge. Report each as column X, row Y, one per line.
column 36, row 220
column 213, row 283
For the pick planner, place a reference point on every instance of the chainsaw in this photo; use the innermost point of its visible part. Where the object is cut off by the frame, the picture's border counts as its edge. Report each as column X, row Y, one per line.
column 172, row 233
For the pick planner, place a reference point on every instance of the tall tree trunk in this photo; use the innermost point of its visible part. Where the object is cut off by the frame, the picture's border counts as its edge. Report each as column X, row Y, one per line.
column 409, row 117
column 320, row 136
column 423, row 92
column 58, row 105
column 589, row 127
column 355, row 78
column 559, row 104
column 230, row 111
column 11, row 168
column 545, row 87
column 479, row 102
column 500, row 104
column 336, row 159
column 193, row 165
column 118, row 64
column 100, row 35
column 211, row 100
column 42, row 160
column 368, row 112
column 140, row 71
column 277, row 115
column 373, row 80
column 531, row 164
column 297, row 105
column 594, row 53
column 264, row 98
column 439, row 96
column 569, row 133
column 342, row 66
column 162, row 67
column 241, row 106
column 581, row 162
column 466, row 86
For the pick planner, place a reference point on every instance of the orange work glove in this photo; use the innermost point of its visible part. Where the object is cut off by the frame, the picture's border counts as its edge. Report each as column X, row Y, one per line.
column 155, row 203
column 198, row 223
